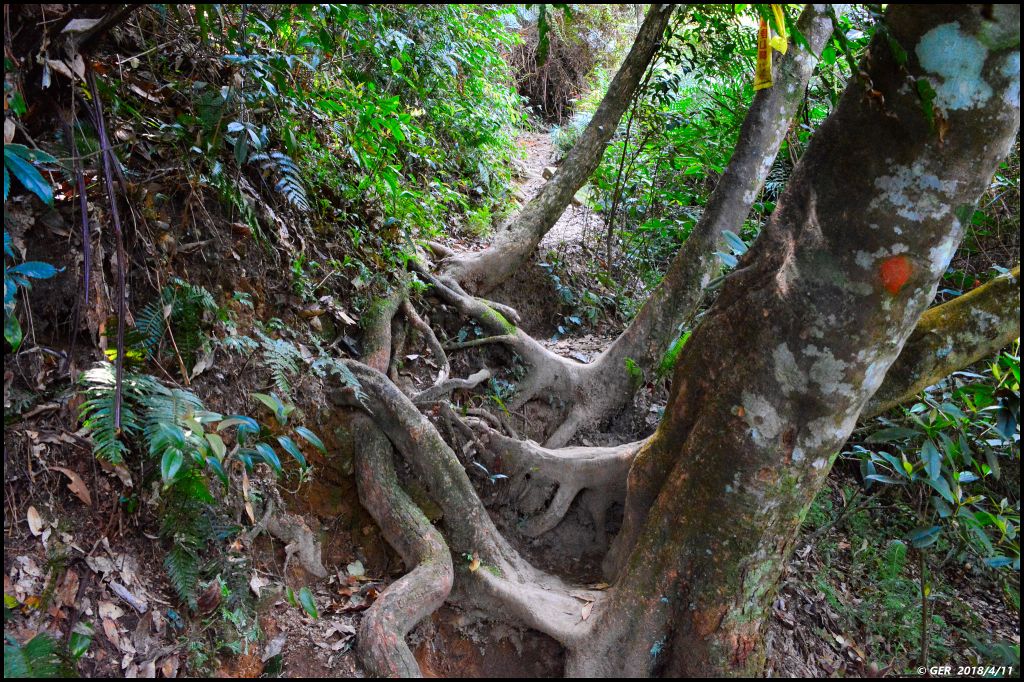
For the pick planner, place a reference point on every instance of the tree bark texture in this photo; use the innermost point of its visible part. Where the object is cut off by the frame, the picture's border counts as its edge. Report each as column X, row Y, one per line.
column 799, row 340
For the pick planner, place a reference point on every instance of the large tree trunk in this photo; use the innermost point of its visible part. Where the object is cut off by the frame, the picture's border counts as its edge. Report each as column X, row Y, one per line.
column 607, row 385
column 516, row 241
column 800, row 338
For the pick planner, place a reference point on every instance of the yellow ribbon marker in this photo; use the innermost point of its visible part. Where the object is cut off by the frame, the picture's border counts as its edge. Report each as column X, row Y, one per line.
column 763, row 74
column 781, row 41
column 766, row 43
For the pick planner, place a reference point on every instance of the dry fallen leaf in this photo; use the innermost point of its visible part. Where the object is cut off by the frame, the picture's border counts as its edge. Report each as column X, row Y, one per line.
column 68, row 590
column 110, row 630
column 587, row 608
column 77, row 485
column 35, row 521
column 245, row 496
column 169, row 667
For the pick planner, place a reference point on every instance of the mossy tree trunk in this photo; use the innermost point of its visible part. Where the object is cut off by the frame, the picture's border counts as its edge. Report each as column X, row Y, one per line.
column 799, row 340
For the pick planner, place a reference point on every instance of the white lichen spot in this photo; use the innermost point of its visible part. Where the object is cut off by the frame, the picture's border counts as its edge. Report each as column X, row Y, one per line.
column 798, row 455
column 820, row 463
column 1011, row 71
column 874, row 375
column 986, row 320
column 789, row 375
column 914, row 193
column 764, row 422
column 828, row 371
column 824, row 433
column 940, row 254
column 956, row 58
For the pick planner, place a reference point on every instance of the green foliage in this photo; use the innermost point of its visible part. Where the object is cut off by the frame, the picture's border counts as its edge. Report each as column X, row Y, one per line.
column 20, row 161
column 15, row 277
column 950, row 449
column 183, row 312
column 42, row 656
column 410, row 110
column 679, row 134
column 289, row 181
column 185, row 443
column 671, row 357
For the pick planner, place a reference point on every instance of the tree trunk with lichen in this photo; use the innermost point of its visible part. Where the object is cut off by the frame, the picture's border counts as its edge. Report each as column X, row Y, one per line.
column 952, row 336
column 815, row 314
column 772, row 382
column 595, row 391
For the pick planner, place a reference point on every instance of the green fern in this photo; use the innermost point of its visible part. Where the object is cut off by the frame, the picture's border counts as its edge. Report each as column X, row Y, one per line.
column 186, row 522
column 326, row 365
column 290, row 181
column 233, row 197
column 182, row 567
column 282, row 358
column 168, row 406
column 42, row 656
column 97, row 412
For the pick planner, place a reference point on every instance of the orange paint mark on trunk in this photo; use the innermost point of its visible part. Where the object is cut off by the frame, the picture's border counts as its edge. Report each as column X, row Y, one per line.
column 894, row 273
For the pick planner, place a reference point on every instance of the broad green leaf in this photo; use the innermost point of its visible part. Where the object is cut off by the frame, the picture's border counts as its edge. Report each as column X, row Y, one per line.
column 218, row 469
column 170, row 464
column 216, row 445
column 308, row 603
column 81, row 638
column 942, row 487
column 289, row 446
column 925, row 537
column 27, row 175
column 932, row 459
column 244, row 424
column 269, row 456
column 35, row 269
column 311, row 437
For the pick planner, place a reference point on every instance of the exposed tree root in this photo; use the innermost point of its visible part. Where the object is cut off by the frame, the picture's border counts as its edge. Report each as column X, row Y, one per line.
column 420, row 592
column 678, row 584
column 600, row 470
column 435, row 346
column 504, row 583
column 438, row 390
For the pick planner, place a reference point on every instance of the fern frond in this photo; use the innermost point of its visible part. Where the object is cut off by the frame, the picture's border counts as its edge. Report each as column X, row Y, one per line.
column 97, row 412
column 290, row 179
column 168, row 406
column 41, row 657
column 282, row 359
column 151, row 324
column 182, row 566
column 326, row 365
column 239, row 343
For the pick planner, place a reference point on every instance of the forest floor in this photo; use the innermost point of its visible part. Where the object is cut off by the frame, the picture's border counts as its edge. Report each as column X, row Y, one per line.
column 847, row 606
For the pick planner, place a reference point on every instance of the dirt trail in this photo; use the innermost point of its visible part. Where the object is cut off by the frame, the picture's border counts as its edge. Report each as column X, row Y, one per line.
column 578, row 224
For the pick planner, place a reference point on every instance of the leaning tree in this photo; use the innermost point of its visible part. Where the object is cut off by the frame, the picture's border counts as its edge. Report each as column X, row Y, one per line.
column 772, row 381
